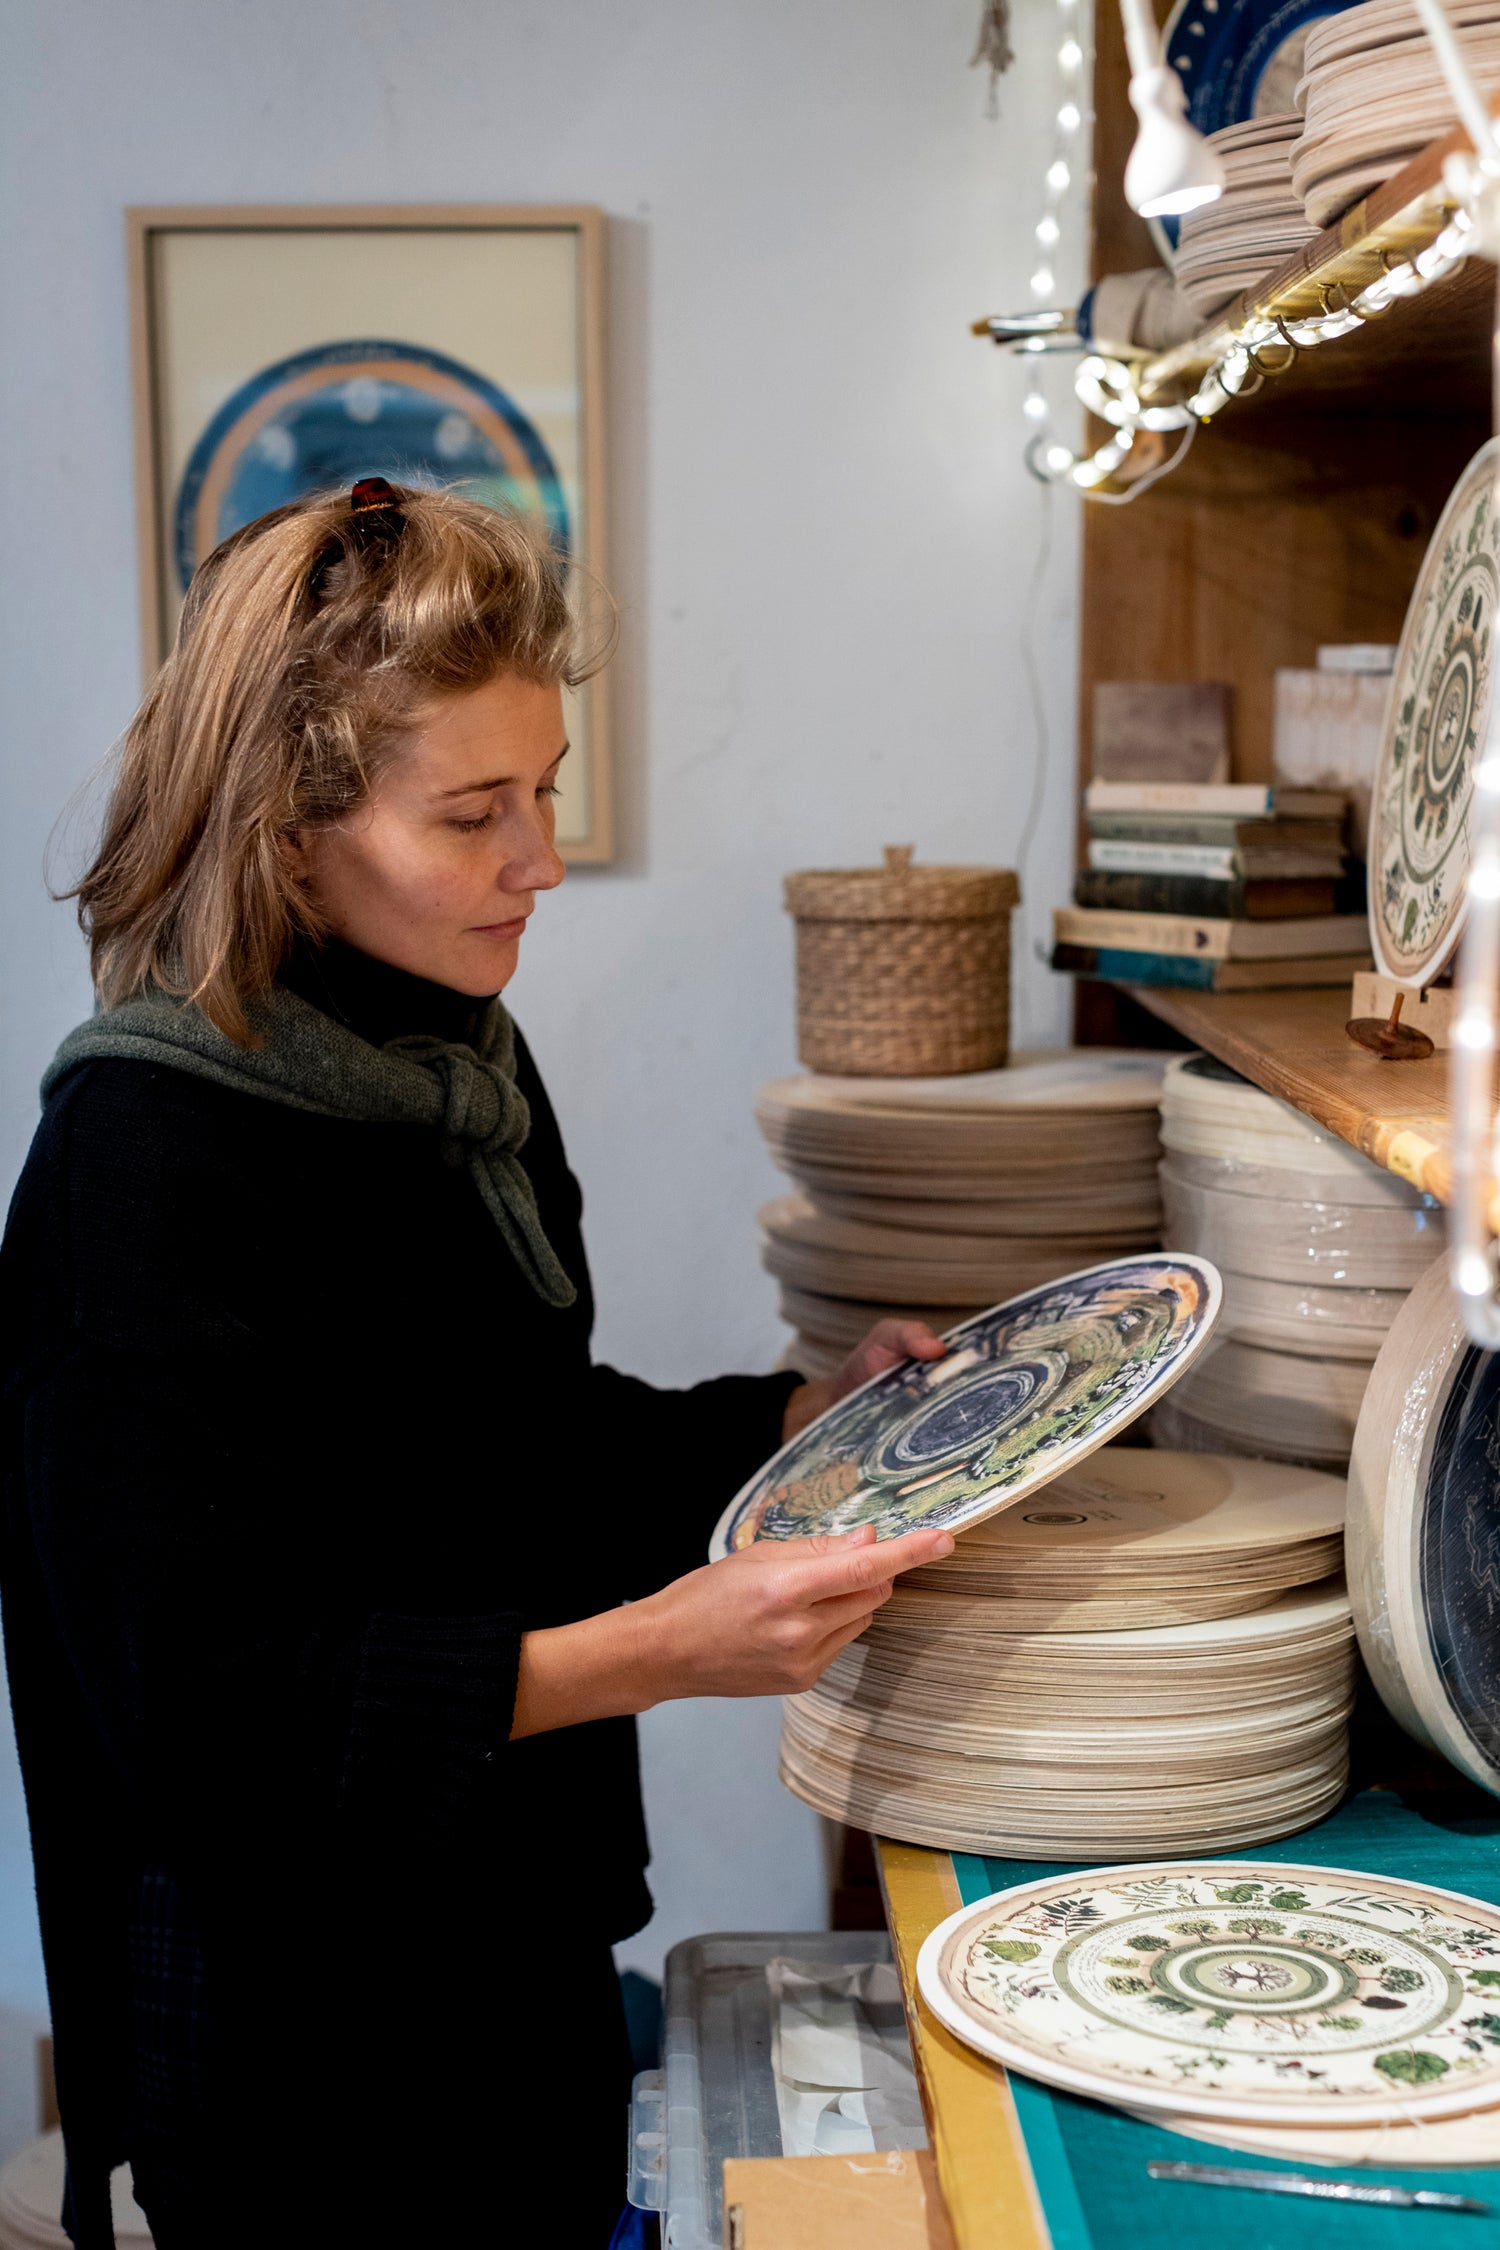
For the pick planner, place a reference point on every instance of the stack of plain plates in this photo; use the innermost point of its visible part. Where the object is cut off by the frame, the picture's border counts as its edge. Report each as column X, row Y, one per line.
column 1373, row 96
column 1084, row 1746
column 31, row 2200
column 1132, row 1538
column 1254, row 226
column 1318, row 1248
column 940, row 1196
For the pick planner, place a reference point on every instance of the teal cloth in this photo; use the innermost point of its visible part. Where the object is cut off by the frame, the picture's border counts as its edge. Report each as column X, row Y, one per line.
column 467, row 1095
column 1089, row 2161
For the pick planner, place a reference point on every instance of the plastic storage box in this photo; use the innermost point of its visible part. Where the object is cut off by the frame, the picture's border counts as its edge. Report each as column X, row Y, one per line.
column 715, row 2095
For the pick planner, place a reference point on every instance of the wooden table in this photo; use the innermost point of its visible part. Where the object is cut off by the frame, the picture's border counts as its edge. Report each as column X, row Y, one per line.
column 971, row 2119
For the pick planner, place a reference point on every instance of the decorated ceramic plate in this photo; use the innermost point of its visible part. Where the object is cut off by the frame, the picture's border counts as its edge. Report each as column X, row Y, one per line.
column 1434, row 732
column 1025, row 1391
column 1231, row 1989
column 1424, row 1531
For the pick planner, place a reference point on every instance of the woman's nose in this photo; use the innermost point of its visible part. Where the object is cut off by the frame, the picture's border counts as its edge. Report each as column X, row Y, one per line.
column 536, row 866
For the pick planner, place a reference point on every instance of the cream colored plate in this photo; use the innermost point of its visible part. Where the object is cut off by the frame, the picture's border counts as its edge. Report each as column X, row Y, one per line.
column 1267, row 1993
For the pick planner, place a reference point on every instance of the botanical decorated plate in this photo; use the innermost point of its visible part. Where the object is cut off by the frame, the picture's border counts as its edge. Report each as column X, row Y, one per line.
column 1231, row 1989
column 1434, row 734
column 1024, row 1392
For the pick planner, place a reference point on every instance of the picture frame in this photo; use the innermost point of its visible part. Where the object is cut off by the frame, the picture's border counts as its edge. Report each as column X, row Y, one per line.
column 283, row 349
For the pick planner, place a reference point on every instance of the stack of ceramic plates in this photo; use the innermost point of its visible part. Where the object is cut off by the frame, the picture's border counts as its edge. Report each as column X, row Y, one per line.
column 1296, row 2011
column 1254, row 226
column 1133, row 1539
column 31, row 2199
column 1084, row 1746
column 1374, row 95
column 1318, row 1248
column 938, row 1196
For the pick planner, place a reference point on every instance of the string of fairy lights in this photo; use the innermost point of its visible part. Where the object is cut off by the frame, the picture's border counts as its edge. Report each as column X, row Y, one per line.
column 1046, row 456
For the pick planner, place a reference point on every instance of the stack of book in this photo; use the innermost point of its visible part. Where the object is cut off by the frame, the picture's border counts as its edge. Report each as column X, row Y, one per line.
column 1225, row 887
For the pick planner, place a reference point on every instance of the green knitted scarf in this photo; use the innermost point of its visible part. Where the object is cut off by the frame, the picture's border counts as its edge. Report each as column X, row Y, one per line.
column 468, row 1095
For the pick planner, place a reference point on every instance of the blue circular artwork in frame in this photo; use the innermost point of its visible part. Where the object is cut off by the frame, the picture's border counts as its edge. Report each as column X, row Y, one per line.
column 367, row 407
column 1237, row 59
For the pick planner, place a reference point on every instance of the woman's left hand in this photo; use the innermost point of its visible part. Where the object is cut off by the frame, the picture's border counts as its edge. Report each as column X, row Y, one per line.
column 888, row 1343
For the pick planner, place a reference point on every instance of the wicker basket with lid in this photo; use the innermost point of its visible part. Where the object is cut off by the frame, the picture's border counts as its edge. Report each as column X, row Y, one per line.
column 902, row 971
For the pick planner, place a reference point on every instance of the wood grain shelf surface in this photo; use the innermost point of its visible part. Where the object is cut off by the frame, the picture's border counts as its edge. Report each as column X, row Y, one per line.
column 1293, row 1045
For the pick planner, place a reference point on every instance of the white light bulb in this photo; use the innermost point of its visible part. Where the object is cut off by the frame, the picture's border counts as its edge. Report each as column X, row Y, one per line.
column 1473, row 1274
column 1484, row 879
column 1070, row 117
column 1474, row 1032
column 1058, row 459
column 1058, row 176
column 1172, row 168
column 1042, row 282
column 1035, row 407
column 1070, row 54
column 1048, row 233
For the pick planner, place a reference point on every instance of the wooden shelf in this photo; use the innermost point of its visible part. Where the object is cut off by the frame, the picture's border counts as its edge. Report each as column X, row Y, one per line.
column 1293, row 1045
column 1428, row 353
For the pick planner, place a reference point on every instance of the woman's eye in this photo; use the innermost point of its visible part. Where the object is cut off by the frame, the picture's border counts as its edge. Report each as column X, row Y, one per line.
column 549, row 789
column 472, row 827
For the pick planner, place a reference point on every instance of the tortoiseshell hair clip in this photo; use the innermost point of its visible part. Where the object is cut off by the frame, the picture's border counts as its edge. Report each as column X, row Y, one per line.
column 376, row 522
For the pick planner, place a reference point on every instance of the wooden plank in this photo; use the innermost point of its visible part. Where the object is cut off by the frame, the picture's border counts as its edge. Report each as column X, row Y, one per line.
column 971, row 2120
column 1293, row 1045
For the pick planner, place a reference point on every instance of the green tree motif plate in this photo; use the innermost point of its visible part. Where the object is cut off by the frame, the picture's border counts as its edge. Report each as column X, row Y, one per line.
column 1435, row 729
column 1231, row 1989
column 1025, row 1391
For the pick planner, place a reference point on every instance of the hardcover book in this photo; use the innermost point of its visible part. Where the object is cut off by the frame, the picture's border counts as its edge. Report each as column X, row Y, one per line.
column 1117, row 965
column 1211, row 938
column 1204, row 896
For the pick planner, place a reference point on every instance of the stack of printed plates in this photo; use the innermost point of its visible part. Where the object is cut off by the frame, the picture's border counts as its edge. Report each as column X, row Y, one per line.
column 1424, row 1532
column 1257, row 223
column 1374, row 95
column 1291, row 2009
column 1081, row 1746
column 1133, row 1539
column 938, row 1196
column 1318, row 1248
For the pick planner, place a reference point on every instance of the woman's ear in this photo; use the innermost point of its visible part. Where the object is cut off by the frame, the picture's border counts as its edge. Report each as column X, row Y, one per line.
column 297, row 853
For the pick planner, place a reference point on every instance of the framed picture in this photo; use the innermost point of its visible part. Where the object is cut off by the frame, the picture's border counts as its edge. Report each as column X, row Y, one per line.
column 284, row 351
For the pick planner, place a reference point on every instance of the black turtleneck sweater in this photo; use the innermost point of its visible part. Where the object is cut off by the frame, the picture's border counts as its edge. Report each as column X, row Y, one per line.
column 293, row 1456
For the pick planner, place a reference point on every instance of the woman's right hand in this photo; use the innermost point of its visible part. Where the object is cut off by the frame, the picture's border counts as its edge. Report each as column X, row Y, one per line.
column 769, row 1619
column 765, row 1621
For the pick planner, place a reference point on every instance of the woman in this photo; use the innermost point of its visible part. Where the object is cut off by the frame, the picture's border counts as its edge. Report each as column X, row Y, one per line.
column 334, row 1570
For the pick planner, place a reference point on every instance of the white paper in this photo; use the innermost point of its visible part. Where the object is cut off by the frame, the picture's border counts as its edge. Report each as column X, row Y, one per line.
column 841, row 2059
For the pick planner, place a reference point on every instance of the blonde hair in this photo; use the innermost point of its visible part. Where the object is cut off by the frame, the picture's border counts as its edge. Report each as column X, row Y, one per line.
column 310, row 645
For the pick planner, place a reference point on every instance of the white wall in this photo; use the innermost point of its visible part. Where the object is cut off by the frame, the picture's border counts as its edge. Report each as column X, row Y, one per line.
column 826, row 549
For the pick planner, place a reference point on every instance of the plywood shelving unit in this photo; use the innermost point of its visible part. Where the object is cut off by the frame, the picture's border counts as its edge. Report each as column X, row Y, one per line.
column 1301, row 515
